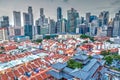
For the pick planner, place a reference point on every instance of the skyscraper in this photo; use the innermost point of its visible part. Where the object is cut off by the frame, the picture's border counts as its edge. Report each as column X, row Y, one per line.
column 59, row 26
column 105, row 17
column 17, row 18
column 88, row 17
column 4, row 21
column 59, row 13
column 52, row 26
column 26, row 19
column 28, row 23
column 72, row 15
column 28, row 31
column 42, row 16
column 59, row 20
column 64, row 25
column 41, row 12
column 30, row 15
column 116, row 25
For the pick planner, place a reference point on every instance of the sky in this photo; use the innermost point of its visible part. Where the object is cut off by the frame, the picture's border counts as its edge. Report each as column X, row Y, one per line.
column 50, row 7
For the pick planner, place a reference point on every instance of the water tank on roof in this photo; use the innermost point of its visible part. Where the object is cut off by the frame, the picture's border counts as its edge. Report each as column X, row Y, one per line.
column 36, row 70
column 40, row 47
column 28, row 74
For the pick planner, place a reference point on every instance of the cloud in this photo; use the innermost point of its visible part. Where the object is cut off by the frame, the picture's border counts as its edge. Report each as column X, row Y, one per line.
column 60, row 0
column 65, row 0
column 116, row 2
column 104, row 7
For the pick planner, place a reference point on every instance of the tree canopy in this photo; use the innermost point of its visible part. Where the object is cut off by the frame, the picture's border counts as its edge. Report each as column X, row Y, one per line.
column 83, row 36
column 73, row 64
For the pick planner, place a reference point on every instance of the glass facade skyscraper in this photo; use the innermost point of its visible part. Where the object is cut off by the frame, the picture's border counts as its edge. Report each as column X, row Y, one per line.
column 72, row 16
column 28, row 31
column 4, row 21
column 28, row 23
column 30, row 15
column 59, row 13
column 17, row 18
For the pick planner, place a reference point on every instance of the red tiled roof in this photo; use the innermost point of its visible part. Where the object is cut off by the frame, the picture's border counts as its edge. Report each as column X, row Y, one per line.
column 4, row 77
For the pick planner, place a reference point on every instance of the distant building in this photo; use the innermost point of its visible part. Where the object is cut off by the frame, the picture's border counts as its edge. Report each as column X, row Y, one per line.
column 110, row 31
column 38, row 30
column 52, row 26
column 93, row 17
column 93, row 28
column 105, row 17
column 88, row 17
column 59, row 26
column 59, row 13
column 83, row 29
column 26, row 19
column 21, row 38
column 13, row 31
column 72, row 15
column 44, row 29
column 42, row 16
column 116, row 25
column 28, row 31
column 28, row 23
column 4, row 21
column 3, row 34
column 17, row 18
column 30, row 15
column 64, row 25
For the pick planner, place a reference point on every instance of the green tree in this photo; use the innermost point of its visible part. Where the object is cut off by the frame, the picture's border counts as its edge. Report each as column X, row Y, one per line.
column 47, row 37
column 39, row 40
column 105, row 53
column 108, row 59
column 73, row 64
column 83, row 36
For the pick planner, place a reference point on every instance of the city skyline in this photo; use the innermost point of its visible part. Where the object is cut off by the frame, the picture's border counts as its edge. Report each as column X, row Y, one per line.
column 80, row 5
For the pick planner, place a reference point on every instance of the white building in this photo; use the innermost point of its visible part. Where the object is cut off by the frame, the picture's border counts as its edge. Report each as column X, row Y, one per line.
column 3, row 34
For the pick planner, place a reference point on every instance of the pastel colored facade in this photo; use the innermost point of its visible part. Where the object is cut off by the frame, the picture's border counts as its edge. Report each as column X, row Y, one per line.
column 3, row 34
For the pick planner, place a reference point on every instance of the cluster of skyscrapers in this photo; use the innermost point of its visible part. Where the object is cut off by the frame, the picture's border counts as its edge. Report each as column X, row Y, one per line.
column 91, row 25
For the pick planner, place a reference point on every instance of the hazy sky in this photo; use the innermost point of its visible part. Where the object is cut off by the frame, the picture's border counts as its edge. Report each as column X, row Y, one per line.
column 82, row 6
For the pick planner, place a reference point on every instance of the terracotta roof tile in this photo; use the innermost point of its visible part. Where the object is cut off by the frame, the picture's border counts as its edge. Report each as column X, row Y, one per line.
column 4, row 77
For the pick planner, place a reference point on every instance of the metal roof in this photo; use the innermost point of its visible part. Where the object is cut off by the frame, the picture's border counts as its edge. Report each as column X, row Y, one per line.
column 59, row 65
column 89, row 65
column 57, row 75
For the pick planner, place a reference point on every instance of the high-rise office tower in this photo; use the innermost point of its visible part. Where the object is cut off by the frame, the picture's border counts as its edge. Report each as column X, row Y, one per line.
column 52, row 26
column 42, row 16
column 59, row 26
column 4, row 21
column 28, row 31
column 105, row 17
column 93, row 17
column 110, row 29
column 28, row 23
column 30, row 15
column 116, row 25
column 88, row 17
column 26, row 19
column 17, row 18
column 59, row 20
column 59, row 13
column 72, row 15
column 41, row 12
column 64, row 25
